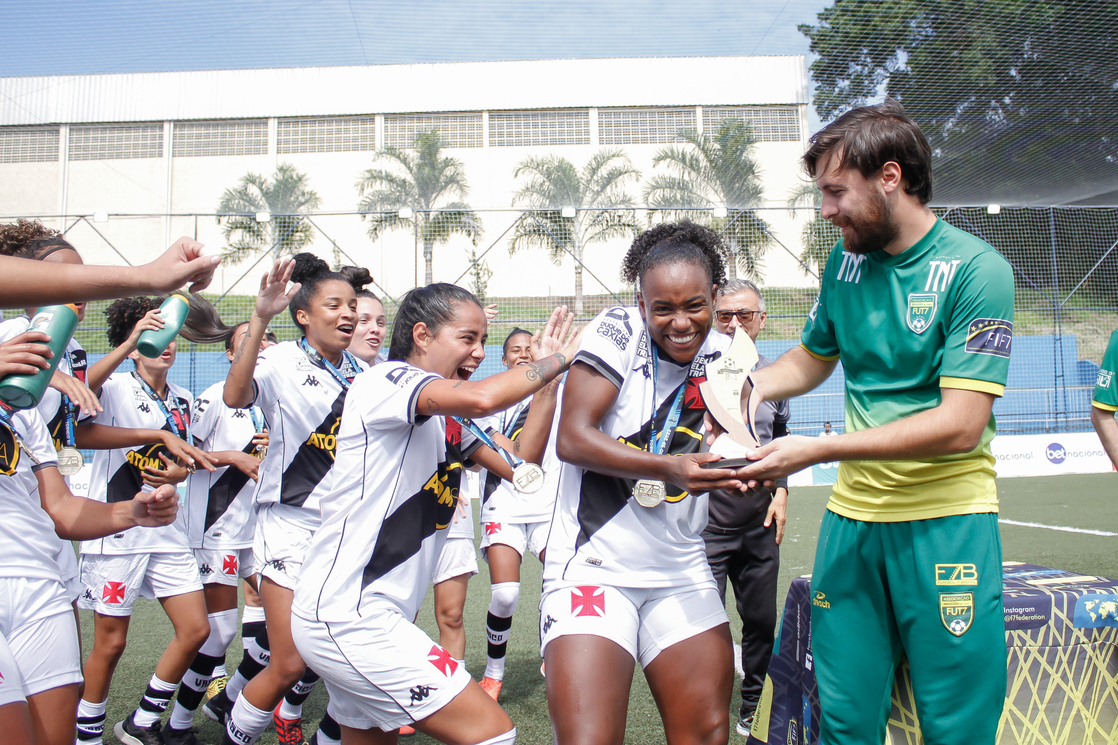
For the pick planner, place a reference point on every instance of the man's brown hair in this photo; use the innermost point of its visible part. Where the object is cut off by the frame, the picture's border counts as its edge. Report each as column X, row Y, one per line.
column 868, row 137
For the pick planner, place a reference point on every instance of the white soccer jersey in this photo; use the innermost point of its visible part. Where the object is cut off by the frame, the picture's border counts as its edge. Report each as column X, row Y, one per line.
column 73, row 363
column 599, row 534
column 501, row 502
column 302, row 404
column 26, row 530
column 393, row 493
column 218, row 510
column 117, row 474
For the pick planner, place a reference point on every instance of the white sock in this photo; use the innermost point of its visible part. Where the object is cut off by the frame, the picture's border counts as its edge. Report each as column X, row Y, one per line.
column 154, row 703
column 235, row 685
column 219, row 671
column 252, row 614
column 287, row 711
column 91, row 722
column 181, row 717
column 246, row 722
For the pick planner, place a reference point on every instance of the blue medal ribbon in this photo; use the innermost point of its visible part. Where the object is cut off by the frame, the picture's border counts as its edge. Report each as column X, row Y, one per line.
column 68, row 409
column 508, row 429
column 349, row 362
column 167, row 412
column 482, row 435
column 257, row 420
column 658, row 441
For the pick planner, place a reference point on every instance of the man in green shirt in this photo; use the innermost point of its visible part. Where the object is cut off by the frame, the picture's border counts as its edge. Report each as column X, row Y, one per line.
column 1104, row 402
column 909, row 556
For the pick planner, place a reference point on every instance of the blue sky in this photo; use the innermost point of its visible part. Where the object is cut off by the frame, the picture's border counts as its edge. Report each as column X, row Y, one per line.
column 100, row 36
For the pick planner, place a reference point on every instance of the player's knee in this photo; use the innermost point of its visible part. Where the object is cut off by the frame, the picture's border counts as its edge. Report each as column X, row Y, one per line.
column 110, row 645
column 289, row 668
column 505, row 597
column 193, row 633
column 508, row 738
column 449, row 618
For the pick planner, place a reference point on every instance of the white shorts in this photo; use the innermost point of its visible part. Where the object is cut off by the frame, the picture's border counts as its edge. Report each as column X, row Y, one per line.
column 68, row 567
column 37, row 622
column 280, row 544
column 457, row 558
column 224, row 566
column 380, row 670
column 113, row 583
column 520, row 536
column 643, row 620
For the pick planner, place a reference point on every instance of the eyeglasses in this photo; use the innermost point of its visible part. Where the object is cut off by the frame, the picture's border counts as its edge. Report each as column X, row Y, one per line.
column 744, row 316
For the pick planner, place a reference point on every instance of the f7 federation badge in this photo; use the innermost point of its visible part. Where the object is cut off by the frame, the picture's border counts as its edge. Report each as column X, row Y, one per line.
column 956, row 610
column 921, row 311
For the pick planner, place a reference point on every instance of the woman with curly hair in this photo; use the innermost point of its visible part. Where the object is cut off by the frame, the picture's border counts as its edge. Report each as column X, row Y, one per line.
column 628, row 580
column 143, row 440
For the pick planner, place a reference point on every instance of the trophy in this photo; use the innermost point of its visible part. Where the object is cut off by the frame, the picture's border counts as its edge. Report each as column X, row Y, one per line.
column 722, row 396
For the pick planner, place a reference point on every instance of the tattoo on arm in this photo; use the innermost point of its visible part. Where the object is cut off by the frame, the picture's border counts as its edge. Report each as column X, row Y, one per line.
column 240, row 349
column 460, row 382
column 548, row 368
column 431, row 405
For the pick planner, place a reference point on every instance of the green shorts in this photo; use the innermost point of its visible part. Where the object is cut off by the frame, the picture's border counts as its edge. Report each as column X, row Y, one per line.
column 929, row 588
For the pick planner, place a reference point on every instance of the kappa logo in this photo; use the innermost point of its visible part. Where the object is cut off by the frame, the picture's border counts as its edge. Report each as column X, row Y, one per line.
column 588, row 601
column 940, row 274
column 113, row 593
column 851, row 269
column 548, row 623
column 956, row 574
column 1104, row 378
column 956, row 610
column 420, row 693
column 229, row 565
column 442, row 660
column 144, row 407
column 492, row 528
column 87, row 594
column 237, row 413
column 205, row 570
column 312, row 381
column 278, row 565
column 820, row 600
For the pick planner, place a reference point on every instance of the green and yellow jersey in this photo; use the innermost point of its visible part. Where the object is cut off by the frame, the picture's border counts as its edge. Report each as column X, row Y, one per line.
column 1106, row 388
column 937, row 315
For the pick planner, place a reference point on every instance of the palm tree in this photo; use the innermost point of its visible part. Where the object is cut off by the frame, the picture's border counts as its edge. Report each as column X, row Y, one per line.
column 715, row 171
column 572, row 209
column 411, row 196
column 285, row 198
column 818, row 235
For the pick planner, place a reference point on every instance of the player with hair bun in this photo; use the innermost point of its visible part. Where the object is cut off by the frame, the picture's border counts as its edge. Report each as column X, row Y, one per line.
column 406, row 433
column 301, row 387
column 625, row 582
column 143, row 441
column 372, row 322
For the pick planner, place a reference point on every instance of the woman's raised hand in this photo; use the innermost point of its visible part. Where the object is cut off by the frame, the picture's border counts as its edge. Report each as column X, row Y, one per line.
column 557, row 334
column 274, row 294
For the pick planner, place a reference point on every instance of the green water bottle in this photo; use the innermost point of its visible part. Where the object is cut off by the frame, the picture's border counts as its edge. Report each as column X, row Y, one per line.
column 58, row 322
column 173, row 312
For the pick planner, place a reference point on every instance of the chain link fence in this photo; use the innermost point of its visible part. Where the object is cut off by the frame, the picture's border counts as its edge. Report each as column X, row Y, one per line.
column 1065, row 264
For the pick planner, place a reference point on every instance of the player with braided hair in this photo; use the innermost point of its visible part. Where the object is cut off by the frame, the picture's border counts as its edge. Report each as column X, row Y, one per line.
column 628, row 581
column 143, row 440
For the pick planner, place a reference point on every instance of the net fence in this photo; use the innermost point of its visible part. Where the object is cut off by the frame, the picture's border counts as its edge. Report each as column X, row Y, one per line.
column 1065, row 262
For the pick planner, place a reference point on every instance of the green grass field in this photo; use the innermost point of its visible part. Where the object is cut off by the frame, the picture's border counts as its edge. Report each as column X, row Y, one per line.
column 1084, row 502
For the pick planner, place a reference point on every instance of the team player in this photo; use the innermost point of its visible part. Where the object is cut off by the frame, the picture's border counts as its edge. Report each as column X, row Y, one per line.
column 628, row 581
column 143, row 440
column 384, row 523
column 514, row 523
column 1104, row 401
column 909, row 556
column 372, row 322
column 40, row 661
column 301, row 387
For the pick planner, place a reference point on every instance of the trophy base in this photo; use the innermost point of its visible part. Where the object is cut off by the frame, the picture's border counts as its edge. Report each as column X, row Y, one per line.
column 732, row 452
column 729, row 463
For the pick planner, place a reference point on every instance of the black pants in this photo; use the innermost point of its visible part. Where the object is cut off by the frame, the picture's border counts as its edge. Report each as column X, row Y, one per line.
column 751, row 560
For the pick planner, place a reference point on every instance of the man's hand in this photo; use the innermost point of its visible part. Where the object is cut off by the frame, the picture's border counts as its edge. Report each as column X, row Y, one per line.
column 181, row 263
column 25, row 354
column 153, row 509
column 782, row 456
column 77, row 391
column 778, row 510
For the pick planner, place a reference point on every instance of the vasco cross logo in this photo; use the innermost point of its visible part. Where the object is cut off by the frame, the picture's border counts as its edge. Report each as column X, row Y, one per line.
column 588, row 601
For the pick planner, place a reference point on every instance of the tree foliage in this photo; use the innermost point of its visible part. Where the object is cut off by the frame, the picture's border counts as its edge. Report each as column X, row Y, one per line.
column 597, row 194
column 285, row 196
column 713, row 171
column 1019, row 98
column 428, row 183
column 818, row 236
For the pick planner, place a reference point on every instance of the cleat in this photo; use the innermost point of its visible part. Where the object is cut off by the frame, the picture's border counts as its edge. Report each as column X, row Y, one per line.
column 179, row 737
column 288, row 731
column 216, row 686
column 745, row 724
column 130, row 734
column 218, row 707
column 492, row 686
column 407, row 731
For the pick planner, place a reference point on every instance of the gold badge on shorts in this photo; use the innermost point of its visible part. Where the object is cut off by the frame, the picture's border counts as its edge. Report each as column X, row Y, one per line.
column 956, row 610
